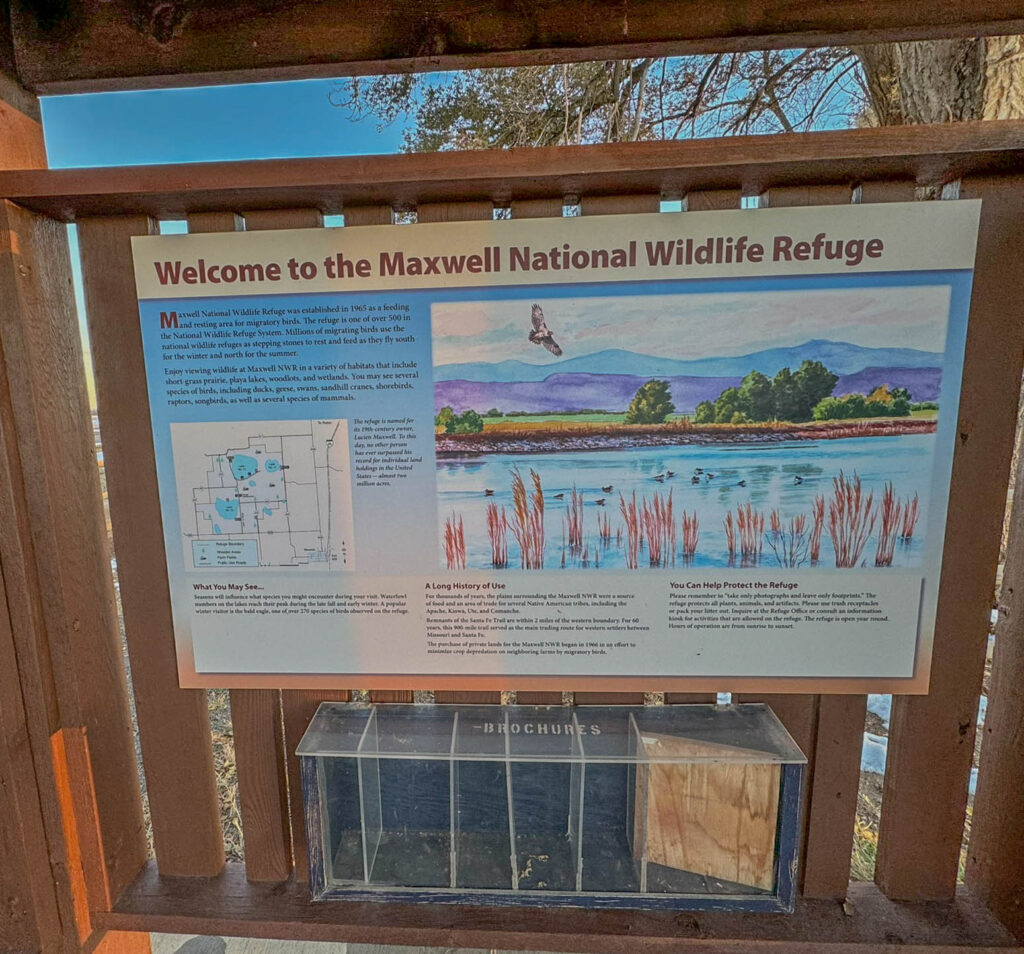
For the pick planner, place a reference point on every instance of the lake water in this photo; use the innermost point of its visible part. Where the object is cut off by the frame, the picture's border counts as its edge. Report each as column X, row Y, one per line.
column 770, row 471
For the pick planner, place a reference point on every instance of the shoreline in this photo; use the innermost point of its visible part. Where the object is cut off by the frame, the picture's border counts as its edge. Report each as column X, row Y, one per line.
column 562, row 439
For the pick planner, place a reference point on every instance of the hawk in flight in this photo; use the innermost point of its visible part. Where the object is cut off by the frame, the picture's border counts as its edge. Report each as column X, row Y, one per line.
column 541, row 334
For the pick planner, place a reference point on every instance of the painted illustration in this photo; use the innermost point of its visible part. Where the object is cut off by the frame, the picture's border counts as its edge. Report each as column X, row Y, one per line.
column 771, row 427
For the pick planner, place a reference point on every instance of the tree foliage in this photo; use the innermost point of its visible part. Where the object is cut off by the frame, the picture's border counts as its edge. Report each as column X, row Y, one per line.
column 685, row 97
column 789, row 396
column 651, row 404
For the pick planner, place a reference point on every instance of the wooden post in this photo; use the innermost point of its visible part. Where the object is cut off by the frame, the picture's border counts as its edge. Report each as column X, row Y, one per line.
column 931, row 738
column 70, row 806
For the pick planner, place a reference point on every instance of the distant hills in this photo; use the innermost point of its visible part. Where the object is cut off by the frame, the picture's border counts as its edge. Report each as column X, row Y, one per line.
column 841, row 357
column 613, row 392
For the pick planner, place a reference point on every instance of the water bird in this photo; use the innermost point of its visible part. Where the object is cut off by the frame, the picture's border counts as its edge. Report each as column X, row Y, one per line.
column 797, row 479
column 670, row 473
column 694, row 479
column 607, row 490
column 709, row 476
column 541, row 334
column 600, row 501
column 488, row 492
column 660, row 478
column 698, row 470
column 558, row 496
column 741, row 483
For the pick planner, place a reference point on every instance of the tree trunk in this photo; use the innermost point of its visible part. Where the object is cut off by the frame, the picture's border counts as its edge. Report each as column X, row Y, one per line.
column 943, row 81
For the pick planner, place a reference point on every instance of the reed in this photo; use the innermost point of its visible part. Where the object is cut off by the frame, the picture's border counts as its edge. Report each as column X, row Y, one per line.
column 604, row 527
column 817, row 525
column 631, row 518
column 691, row 534
column 774, row 521
column 889, row 528
column 497, row 533
column 750, row 523
column 851, row 518
column 910, row 515
column 454, row 542
column 660, row 527
column 528, row 520
column 790, row 542
column 574, row 518
column 730, row 536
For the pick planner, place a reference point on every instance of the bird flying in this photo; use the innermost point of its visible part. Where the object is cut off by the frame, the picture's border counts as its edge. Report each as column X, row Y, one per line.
column 541, row 334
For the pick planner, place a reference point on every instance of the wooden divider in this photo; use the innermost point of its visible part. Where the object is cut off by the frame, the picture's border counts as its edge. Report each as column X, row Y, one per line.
column 459, row 212
column 931, row 738
column 376, row 215
column 711, row 200
column 173, row 724
column 614, row 205
column 538, row 209
column 47, row 409
column 268, row 771
column 995, row 856
column 829, row 729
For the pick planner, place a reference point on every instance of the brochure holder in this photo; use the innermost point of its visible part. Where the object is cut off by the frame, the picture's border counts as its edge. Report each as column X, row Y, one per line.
column 686, row 807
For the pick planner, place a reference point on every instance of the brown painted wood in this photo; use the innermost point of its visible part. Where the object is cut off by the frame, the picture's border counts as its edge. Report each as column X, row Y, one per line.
column 459, row 212
column 49, row 410
column 173, row 723
column 260, row 746
column 117, row 45
column 262, row 783
column 829, row 729
column 750, row 163
column 704, row 201
column 995, row 855
column 391, row 695
column 713, row 200
column 368, row 215
column 21, row 131
column 542, row 208
column 261, row 751
column 931, row 738
column 35, row 877
column 614, row 205
column 29, row 914
column 228, row 905
column 550, row 207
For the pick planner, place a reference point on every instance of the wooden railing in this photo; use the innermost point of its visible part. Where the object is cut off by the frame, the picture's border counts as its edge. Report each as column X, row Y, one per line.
column 60, row 598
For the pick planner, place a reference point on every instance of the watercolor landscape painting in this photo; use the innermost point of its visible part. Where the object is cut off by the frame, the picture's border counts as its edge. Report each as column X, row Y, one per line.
column 789, row 428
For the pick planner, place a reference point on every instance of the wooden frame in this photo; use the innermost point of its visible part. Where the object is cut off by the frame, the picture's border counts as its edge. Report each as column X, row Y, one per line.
column 121, row 45
column 931, row 737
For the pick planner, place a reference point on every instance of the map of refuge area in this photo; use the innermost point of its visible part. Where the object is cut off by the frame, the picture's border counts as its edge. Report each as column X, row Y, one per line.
column 264, row 494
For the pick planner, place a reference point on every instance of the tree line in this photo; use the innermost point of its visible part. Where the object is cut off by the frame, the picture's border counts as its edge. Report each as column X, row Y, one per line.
column 801, row 395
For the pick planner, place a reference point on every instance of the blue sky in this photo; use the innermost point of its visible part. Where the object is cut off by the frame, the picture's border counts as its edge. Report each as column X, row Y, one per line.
column 253, row 121
column 205, row 124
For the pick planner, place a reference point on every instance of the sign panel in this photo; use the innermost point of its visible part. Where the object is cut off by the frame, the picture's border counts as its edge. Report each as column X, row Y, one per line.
column 680, row 450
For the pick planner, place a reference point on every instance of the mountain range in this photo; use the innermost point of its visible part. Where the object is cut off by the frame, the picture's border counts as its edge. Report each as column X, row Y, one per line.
column 840, row 357
column 613, row 392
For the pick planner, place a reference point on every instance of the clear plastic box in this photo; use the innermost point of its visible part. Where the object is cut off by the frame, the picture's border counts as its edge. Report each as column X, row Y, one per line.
column 686, row 807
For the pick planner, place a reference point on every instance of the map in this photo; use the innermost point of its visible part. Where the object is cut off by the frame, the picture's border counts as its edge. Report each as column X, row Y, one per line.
column 264, row 494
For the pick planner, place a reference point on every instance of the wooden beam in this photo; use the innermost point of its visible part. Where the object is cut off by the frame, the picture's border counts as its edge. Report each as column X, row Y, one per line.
column 931, row 738
column 927, row 153
column 869, row 924
column 174, row 725
column 121, row 44
column 995, row 854
column 44, row 370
